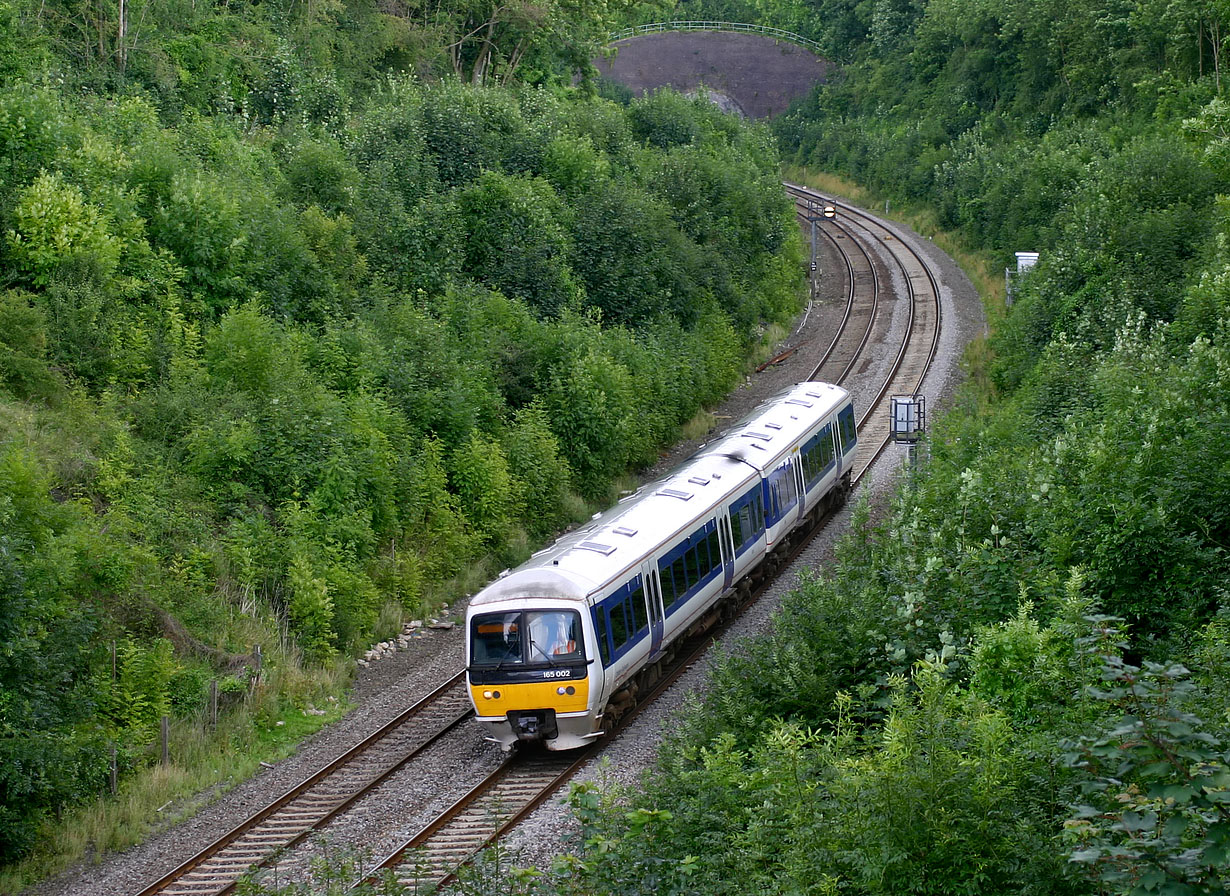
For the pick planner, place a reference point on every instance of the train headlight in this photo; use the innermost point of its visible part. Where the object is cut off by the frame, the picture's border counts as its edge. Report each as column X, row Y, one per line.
column 570, row 690
column 491, row 695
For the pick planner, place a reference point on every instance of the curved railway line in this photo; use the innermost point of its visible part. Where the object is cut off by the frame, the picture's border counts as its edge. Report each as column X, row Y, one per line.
column 889, row 289
column 852, row 232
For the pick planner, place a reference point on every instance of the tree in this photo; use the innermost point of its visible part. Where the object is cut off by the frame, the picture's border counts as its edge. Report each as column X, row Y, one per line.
column 590, row 402
column 518, row 243
column 54, row 225
column 490, row 41
column 51, row 750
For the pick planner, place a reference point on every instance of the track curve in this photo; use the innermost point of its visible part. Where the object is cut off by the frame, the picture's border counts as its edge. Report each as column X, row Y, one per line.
column 883, row 278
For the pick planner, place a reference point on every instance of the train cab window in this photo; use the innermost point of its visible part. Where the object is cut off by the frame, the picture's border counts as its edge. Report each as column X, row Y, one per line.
column 500, row 639
column 495, row 639
column 554, row 635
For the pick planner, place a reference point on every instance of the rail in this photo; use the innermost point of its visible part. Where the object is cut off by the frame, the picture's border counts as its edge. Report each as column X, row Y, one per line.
column 659, row 27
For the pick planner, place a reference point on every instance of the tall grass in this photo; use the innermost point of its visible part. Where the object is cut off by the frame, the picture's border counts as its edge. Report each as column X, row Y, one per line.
column 204, row 764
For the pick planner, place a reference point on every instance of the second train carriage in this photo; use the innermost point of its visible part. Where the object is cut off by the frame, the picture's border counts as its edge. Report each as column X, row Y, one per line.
column 557, row 648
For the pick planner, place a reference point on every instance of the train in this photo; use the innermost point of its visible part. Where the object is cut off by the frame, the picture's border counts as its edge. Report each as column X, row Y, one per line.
column 560, row 648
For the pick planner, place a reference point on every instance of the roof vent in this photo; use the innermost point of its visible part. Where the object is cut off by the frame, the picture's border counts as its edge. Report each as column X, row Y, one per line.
column 597, row 547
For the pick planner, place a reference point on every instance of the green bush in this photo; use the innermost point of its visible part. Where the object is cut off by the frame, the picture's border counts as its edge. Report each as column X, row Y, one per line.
column 24, row 368
column 188, row 690
column 53, row 226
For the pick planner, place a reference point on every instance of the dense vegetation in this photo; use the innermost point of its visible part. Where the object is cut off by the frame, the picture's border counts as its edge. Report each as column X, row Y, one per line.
column 1018, row 681
column 290, row 347
column 300, row 335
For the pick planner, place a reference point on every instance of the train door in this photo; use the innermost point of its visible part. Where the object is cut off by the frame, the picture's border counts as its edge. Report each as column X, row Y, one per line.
column 726, row 538
column 800, row 485
column 653, row 594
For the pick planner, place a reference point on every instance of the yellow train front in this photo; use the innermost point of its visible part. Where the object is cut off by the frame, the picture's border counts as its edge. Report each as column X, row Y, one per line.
column 530, row 669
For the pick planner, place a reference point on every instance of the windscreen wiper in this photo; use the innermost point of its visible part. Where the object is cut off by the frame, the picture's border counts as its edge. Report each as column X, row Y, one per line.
column 543, row 653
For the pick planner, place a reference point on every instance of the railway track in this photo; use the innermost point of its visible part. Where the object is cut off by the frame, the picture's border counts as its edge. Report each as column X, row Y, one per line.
column 891, row 311
column 433, row 857
column 851, row 231
column 315, row 801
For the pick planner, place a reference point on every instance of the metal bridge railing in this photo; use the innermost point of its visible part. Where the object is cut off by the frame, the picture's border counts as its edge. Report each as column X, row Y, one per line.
column 657, row 27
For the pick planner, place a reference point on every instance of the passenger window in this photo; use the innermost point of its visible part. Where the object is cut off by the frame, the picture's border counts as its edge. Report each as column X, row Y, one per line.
column 787, row 484
column 736, row 526
column 702, row 558
column 667, row 581
column 679, row 570
column 845, row 425
column 693, row 570
column 619, row 625
column 715, row 551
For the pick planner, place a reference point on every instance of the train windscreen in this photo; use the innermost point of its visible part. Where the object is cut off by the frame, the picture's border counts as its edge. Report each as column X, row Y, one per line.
column 500, row 639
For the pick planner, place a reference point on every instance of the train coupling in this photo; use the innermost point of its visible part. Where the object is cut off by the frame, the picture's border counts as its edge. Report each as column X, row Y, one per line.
column 533, row 725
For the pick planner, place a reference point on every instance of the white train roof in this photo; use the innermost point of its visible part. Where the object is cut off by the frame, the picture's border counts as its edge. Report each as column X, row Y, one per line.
column 605, row 550
column 588, row 559
column 765, row 436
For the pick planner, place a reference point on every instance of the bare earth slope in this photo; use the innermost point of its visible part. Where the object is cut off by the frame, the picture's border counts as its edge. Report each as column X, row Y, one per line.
column 759, row 75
